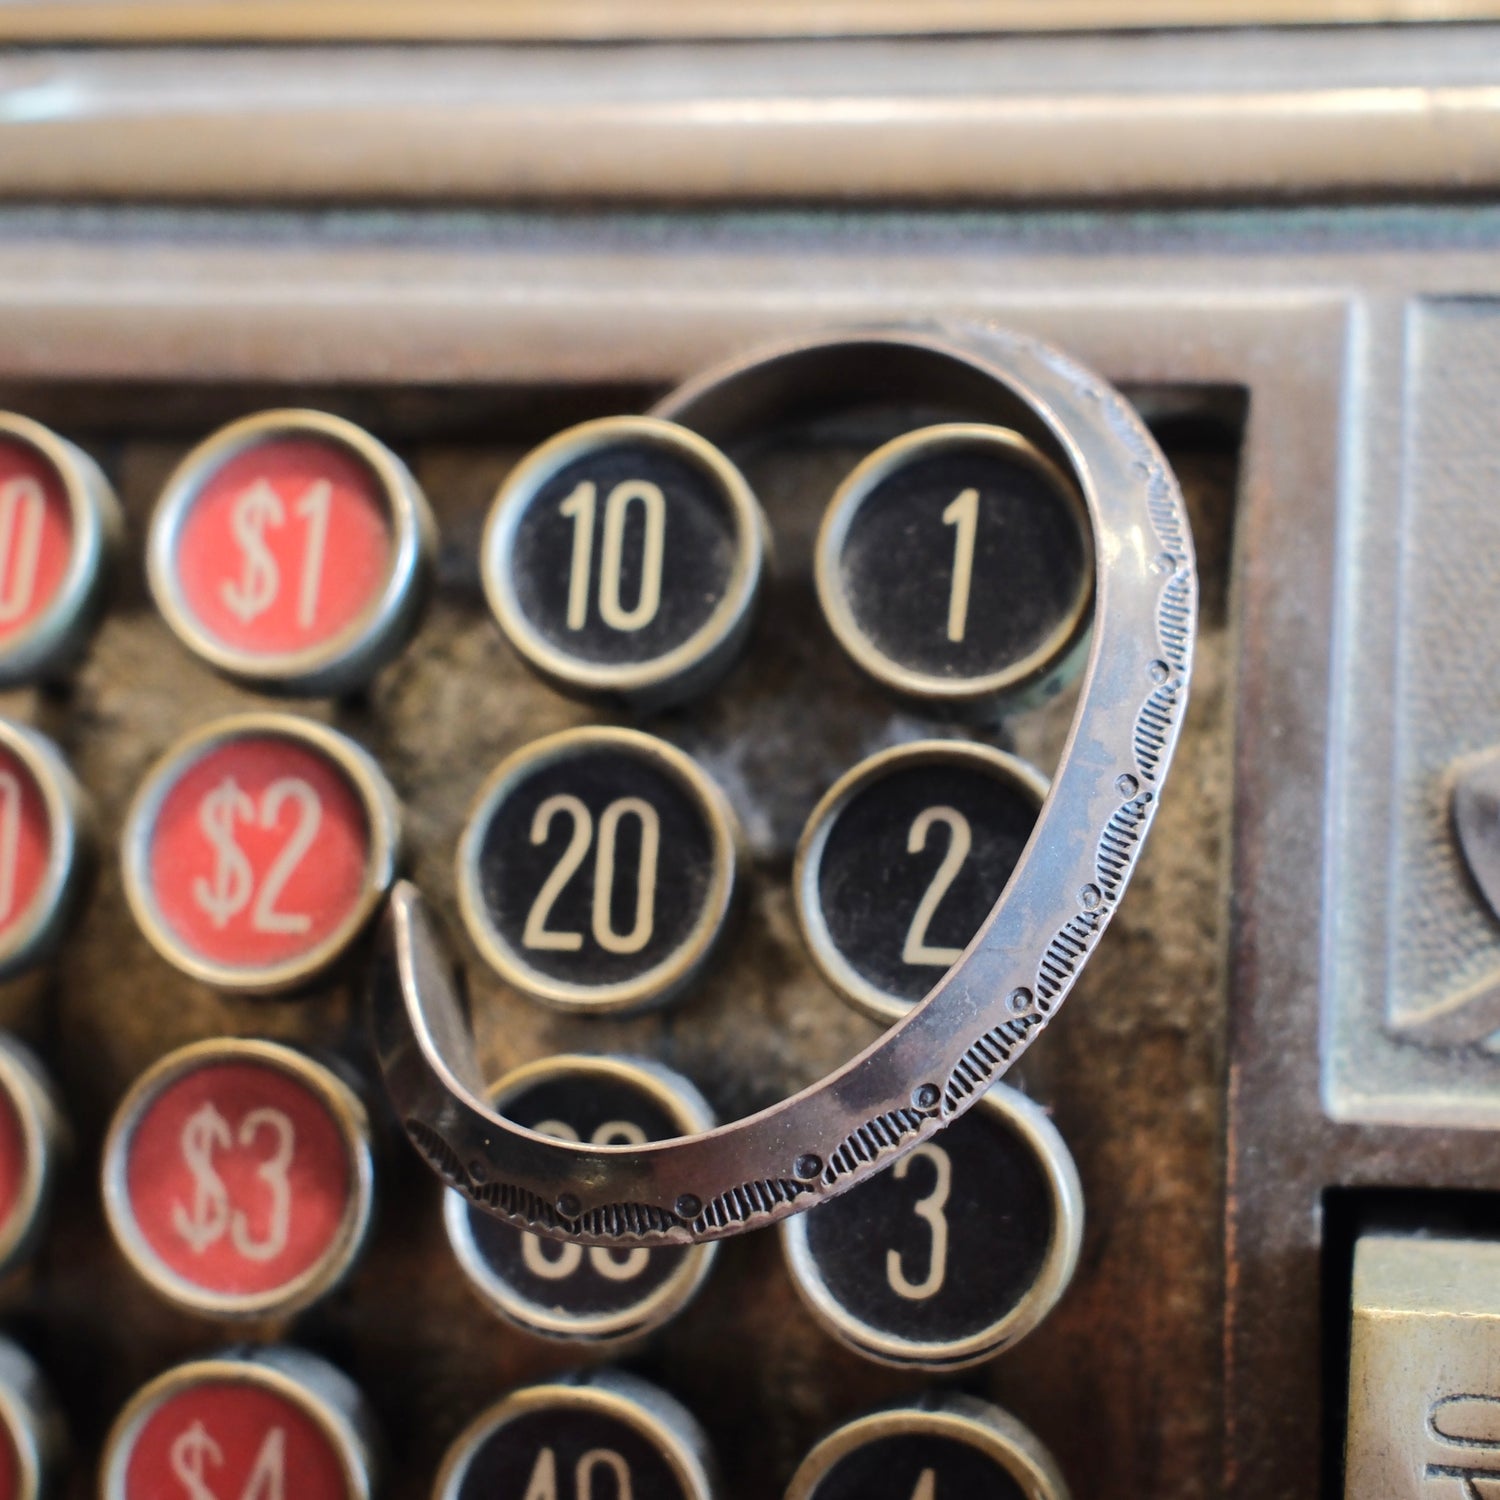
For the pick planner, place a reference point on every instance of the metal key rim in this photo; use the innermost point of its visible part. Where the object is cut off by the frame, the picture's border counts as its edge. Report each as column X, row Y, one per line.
column 365, row 643
column 851, row 985
column 510, row 507
column 647, row 1409
column 342, row 1106
column 962, row 1419
column 96, row 524
column 938, row 1060
column 1005, row 682
column 665, row 979
column 39, row 928
column 284, row 1372
column 677, row 1097
column 30, row 1097
column 1029, row 1123
column 30, row 1417
column 382, row 825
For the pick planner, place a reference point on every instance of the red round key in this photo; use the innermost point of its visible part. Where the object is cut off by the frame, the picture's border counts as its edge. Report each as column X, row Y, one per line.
column 36, row 537
column 215, row 1438
column 237, row 1178
column 287, row 549
column 274, row 1423
column 30, row 1126
column 286, row 546
column 10, row 1465
column 15, row 1169
column 59, row 525
column 31, row 1431
column 258, row 849
column 40, row 806
column 25, row 845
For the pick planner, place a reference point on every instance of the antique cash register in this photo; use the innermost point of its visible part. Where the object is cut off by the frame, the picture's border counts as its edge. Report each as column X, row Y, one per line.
column 749, row 750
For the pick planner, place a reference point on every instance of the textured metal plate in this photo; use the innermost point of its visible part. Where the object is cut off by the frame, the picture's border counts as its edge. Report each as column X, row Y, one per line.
column 442, row 330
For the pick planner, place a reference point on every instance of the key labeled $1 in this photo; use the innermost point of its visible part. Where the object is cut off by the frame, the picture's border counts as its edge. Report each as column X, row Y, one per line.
column 291, row 550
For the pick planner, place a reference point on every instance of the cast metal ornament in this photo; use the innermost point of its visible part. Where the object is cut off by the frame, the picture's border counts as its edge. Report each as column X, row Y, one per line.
column 996, row 1000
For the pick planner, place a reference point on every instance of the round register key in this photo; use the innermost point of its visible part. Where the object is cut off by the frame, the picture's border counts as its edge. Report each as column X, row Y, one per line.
column 903, row 859
column 940, row 1448
column 290, row 550
column 604, row 1433
column 567, row 1291
column 238, row 1178
column 32, row 1138
column 258, row 848
column 43, row 824
column 954, row 1253
column 59, row 526
column 275, row 1421
column 955, row 565
column 623, row 559
column 597, row 869
column 32, row 1437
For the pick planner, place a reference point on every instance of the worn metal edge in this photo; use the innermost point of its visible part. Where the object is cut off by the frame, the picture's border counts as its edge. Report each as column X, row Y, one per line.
column 1166, row 116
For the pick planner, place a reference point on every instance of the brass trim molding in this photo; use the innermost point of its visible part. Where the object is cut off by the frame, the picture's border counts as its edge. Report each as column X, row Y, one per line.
column 626, row 20
column 1229, row 115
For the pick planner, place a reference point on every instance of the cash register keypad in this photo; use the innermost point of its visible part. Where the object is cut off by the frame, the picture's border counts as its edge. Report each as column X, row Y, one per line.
column 603, row 861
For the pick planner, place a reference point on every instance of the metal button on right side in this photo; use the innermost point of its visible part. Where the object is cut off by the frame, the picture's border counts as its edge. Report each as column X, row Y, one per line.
column 942, row 1449
column 955, row 565
column 569, row 1291
column 955, row 1252
column 903, row 859
column 603, row 1433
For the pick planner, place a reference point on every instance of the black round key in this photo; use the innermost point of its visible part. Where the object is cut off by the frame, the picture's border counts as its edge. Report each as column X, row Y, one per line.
column 955, row 565
column 941, row 1449
column 902, row 861
column 45, row 847
column 597, row 869
column 953, row 1253
column 605, row 1434
column 571, row 1291
column 623, row 559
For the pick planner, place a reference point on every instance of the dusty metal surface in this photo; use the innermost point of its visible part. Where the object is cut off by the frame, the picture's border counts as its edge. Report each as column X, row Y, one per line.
column 541, row 320
column 1369, row 113
column 747, row 1357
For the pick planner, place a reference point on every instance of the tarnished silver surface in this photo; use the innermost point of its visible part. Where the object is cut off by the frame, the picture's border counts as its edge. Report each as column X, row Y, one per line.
column 1411, row 987
column 993, row 1003
column 1424, row 1383
column 1476, row 821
